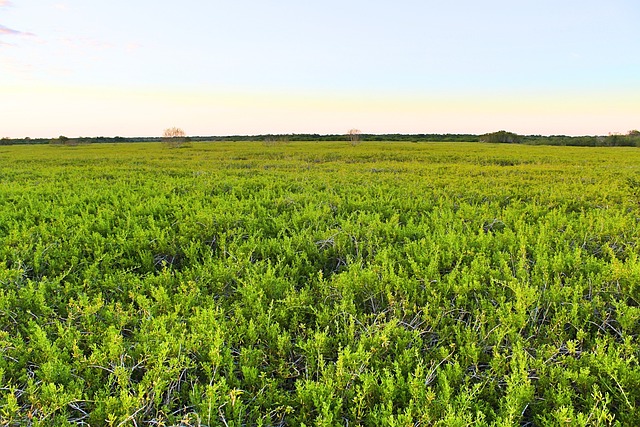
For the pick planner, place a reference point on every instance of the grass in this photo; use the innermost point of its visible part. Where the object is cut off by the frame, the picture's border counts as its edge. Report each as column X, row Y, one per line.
column 319, row 284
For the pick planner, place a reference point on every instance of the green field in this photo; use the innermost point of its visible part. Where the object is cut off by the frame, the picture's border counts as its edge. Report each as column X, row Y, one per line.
column 383, row 284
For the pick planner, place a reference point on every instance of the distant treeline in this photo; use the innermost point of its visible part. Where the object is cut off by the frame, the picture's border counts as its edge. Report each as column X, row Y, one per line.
column 63, row 140
column 613, row 140
column 631, row 139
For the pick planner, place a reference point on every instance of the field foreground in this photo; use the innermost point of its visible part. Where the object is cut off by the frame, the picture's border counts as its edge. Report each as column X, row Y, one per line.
column 386, row 284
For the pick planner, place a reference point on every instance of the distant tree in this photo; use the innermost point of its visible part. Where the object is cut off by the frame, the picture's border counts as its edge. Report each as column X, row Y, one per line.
column 61, row 140
column 630, row 139
column 173, row 132
column 502, row 137
column 613, row 139
column 174, row 137
column 354, row 136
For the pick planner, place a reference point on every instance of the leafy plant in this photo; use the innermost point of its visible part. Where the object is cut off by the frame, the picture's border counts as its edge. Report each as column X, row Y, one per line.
column 313, row 284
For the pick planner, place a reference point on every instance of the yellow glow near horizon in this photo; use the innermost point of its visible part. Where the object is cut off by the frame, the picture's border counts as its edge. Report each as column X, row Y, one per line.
column 95, row 111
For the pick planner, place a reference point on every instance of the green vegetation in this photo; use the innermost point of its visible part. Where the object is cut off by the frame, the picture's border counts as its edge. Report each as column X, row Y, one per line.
column 382, row 284
column 631, row 139
column 502, row 137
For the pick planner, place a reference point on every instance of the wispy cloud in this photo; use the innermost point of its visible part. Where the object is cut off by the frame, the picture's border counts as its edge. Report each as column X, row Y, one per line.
column 5, row 30
column 11, row 32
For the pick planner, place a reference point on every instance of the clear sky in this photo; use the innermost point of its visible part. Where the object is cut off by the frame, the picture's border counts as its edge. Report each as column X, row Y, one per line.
column 135, row 67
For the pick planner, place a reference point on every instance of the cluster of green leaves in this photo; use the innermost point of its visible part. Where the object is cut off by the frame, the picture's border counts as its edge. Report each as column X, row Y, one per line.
column 501, row 137
column 384, row 284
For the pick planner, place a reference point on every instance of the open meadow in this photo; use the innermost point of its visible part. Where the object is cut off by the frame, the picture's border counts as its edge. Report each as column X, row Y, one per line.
column 382, row 284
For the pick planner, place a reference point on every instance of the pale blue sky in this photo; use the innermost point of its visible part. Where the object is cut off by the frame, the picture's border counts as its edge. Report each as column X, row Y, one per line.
column 80, row 67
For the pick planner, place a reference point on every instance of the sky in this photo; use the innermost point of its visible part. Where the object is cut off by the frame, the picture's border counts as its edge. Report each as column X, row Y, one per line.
column 136, row 67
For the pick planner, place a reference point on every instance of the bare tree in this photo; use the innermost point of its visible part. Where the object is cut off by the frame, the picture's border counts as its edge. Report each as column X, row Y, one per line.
column 354, row 136
column 174, row 137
